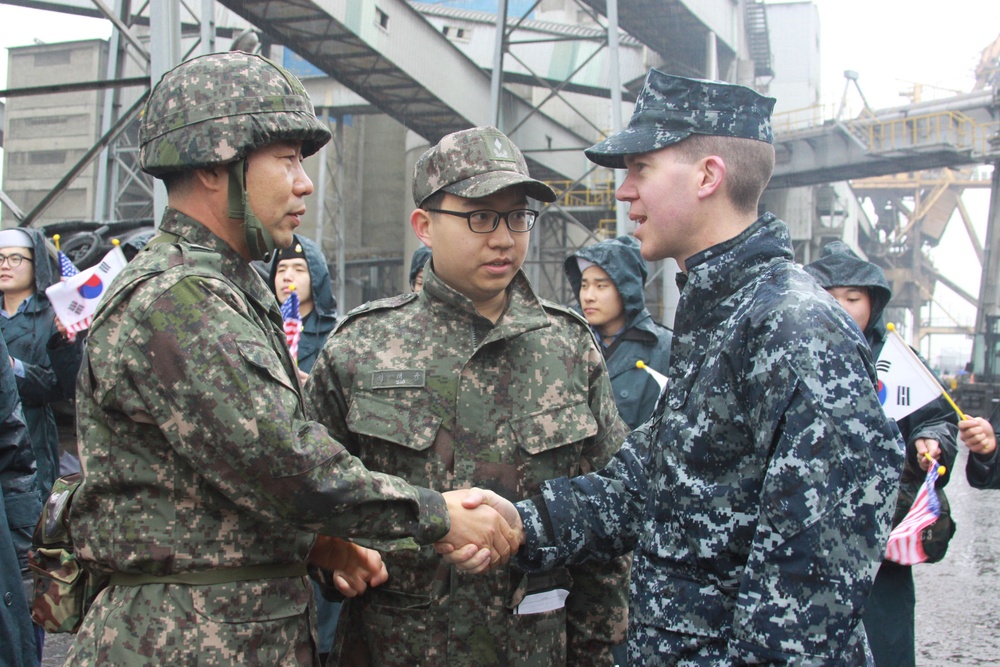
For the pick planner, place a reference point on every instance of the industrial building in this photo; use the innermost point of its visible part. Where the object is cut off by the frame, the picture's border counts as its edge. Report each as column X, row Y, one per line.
column 391, row 77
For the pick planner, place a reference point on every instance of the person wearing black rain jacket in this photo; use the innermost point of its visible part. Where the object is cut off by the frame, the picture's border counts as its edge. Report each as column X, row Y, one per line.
column 44, row 362
column 608, row 279
column 861, row 287
column 302, row 264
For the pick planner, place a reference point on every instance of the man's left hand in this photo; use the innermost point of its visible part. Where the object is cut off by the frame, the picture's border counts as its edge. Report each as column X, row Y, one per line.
column 354, row 567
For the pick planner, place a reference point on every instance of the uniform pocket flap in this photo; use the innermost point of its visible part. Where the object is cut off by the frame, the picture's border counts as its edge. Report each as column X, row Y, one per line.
column 266, row 360
column 403, row 425
column 554, row 427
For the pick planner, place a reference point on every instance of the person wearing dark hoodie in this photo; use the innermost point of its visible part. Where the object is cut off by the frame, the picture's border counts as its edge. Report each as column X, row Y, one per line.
column 303, row 265
column 608, row 279
column 862, row 289
column 45, row 363
column 19, row 510
column 420, row 257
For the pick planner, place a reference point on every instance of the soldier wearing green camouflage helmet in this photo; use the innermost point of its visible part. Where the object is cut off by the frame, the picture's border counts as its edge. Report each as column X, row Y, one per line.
column 475, row 381
column 757, row 498
column 204, row 485
column 212, row 124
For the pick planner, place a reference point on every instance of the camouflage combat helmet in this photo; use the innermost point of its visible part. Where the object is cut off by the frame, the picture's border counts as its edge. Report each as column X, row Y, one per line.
column 215, row 109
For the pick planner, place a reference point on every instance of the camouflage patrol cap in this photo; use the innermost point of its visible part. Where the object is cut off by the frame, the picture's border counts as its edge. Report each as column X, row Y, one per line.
column 215, row 109
column 474, row 163
column 671, row 108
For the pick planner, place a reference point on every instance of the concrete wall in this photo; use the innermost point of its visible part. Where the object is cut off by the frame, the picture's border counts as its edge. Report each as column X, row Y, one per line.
column 47, row 134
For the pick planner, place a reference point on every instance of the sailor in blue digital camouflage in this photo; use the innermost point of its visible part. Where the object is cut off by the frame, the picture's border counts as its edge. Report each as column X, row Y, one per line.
column 474, row 381
column 758, row 497
column 203, row 483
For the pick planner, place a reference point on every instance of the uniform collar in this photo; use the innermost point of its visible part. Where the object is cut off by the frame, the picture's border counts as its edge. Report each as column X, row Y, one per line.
column 233, row 266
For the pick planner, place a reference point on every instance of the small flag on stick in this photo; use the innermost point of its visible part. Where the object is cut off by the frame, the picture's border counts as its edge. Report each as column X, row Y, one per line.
column 66, row 267
column 905, row 384
column 660, row 378
column 293, row 323
column 76, row 297
column 905, row 541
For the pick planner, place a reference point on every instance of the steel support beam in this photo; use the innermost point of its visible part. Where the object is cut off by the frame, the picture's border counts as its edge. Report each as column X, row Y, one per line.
column 390, row 55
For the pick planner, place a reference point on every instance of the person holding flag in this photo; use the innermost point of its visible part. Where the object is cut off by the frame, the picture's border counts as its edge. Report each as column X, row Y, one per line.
column 925, row 419
column 44, row 360
column 303, row 266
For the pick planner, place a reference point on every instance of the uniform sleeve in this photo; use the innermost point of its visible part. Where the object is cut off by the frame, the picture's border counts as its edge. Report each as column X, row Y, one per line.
column 593, row 516
column 825, row 507
column 207, row 372
column 597, row 608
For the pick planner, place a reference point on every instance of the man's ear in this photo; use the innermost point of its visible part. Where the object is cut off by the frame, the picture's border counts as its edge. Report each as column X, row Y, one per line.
column 712, row 173
column 214, row 178
column 420, row 220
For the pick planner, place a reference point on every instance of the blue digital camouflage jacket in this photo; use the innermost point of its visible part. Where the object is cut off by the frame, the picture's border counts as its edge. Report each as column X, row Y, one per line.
column 758, row 498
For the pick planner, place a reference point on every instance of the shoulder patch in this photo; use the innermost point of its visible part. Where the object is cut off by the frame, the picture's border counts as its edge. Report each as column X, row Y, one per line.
column 551, row 306
column 377, row 305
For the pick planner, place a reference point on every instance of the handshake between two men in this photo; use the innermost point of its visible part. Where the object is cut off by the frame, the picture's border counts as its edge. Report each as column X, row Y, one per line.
column 485, row 532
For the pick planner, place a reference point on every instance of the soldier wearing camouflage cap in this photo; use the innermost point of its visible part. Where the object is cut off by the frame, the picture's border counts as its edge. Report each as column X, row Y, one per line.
column 204, row 483
column 475, row 381
column 759, row 495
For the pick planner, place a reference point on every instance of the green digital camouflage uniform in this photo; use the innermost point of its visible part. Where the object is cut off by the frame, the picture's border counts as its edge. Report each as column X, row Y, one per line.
column 197, row 455
column 423, row 387
column 203, row 481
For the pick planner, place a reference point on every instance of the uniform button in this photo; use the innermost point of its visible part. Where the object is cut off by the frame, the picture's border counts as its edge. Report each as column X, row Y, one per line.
column 623, row 393
column 8, row 598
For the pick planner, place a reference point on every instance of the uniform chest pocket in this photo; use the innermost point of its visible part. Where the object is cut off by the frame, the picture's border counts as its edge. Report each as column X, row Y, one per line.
column 266, row 361
column 553, row 428
column 390, row 421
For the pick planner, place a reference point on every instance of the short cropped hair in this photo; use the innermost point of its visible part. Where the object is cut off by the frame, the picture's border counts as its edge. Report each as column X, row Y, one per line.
column 749, row 165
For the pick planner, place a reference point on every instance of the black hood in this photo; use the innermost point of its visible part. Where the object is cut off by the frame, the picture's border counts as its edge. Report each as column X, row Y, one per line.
column 324, row 302
column 621, row 260
column 420, row 257
column 839, row 266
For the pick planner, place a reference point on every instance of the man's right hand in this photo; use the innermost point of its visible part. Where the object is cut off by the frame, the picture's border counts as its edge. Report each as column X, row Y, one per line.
column 497, row 521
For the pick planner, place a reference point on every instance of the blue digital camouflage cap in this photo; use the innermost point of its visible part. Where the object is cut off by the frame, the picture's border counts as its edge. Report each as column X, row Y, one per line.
column 671, row 108
column 474, row 163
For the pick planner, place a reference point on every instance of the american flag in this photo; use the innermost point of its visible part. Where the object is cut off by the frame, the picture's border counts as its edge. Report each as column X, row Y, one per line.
column 68, row 269
column 293, row 323
column 905, row 544
column 66, row 266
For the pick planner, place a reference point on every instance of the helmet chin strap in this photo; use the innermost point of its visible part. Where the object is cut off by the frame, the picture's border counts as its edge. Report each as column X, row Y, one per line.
column 259, row 241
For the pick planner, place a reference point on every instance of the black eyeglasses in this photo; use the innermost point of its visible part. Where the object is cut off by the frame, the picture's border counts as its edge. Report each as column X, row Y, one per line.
column 485, row 221
column 14, row 260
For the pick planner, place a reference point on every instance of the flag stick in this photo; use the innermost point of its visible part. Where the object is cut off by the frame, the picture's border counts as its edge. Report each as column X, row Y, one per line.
column 961, row 415
column 55, row 239
column 660, row 378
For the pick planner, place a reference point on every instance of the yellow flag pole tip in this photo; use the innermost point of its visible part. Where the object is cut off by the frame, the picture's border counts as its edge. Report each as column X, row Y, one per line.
column 56, row 237
column 639, row 364
column 115, row 242
column 942, row 470
column 890, row 326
